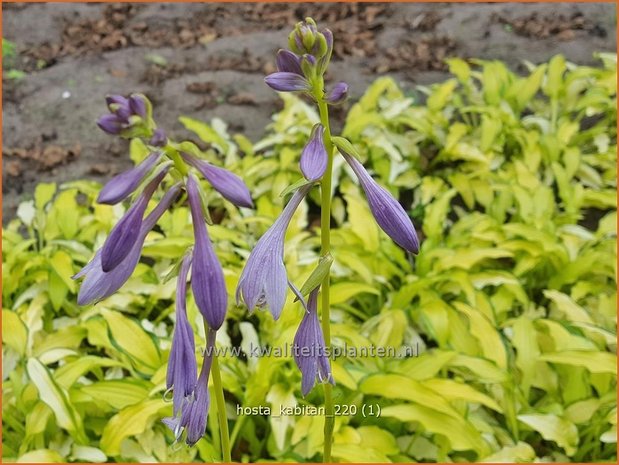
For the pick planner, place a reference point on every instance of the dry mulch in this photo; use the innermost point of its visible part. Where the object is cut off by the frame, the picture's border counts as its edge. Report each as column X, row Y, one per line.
column 427, row 54
column 560, row 26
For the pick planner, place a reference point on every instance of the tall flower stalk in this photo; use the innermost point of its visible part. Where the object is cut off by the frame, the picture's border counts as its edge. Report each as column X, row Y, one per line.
column 301, row 69
column 169, row 166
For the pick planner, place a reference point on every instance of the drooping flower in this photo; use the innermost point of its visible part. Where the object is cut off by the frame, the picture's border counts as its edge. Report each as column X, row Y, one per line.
column 225, row 182
column 207, row 280
column 387, row 211
column 309, row 349
column 313, row 162
column 123, row 184
column 182, row 366
column 287, row 82
column 263, row 280
column 125, row 233
column 338, row 94
column 194, row 410
column 99, row 284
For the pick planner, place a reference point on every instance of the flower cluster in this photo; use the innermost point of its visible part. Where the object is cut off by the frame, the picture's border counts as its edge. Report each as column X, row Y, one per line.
column 116, row 260
column 302, row 68
column 264, row 280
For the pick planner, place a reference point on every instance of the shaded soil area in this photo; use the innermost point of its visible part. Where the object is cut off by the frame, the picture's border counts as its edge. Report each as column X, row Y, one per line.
column 207, row 60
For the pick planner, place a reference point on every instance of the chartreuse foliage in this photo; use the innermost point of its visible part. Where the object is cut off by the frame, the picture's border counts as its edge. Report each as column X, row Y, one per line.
column 511, row 303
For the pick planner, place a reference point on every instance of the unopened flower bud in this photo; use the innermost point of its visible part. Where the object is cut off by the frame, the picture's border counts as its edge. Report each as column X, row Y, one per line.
column 338, row 94
column 287, row 82
column 159, row 138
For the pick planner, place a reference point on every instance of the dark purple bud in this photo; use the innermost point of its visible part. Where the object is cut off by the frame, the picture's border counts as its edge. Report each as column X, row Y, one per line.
column 289, row 62
column 207, row 280
column 226, row 183
column 387, row 211
column 263, row 280
column 182, row 366
column 99, row 284
column 159, row 138
column 126, row 232
column 137, row 105
column 338, row 94
column 119, row 106
column 115, row 101
column 309, row 349
column 123, row 184
column 287, row 82
column 110, row 123
column 314, row 157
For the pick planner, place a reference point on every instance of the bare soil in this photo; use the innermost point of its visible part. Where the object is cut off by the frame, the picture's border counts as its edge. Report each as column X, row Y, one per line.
column 207, row 60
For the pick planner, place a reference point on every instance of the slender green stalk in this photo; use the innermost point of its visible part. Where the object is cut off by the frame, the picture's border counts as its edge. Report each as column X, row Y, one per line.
column 221, row 406
column 325, row 240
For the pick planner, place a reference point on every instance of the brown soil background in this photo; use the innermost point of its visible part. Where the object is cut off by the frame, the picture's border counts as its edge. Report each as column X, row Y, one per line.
column 207, row 60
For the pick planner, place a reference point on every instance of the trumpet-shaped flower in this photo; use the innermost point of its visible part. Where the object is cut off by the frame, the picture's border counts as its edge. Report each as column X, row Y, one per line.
column 207, row 280
column 263, row 280
column 228, row 184
column 309, row 349
column 387, row 211
column 182, row 367
column 194, row 411
column 122, row 185
column 99, row 284
column 125, row 233
column 313, row 162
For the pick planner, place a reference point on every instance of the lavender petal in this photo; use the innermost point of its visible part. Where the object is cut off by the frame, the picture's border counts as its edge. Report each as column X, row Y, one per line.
column 314, row 158
column 123, row 184
column 287, row 82
column 387, row 211
column 207, row 281
column 228, row 184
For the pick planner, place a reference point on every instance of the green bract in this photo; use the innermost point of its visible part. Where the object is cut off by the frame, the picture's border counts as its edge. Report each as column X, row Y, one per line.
column 511, row 305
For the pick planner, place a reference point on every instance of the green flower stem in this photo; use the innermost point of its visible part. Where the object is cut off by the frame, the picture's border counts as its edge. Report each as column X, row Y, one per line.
column 221, row 405
column 325, row 241
column 173, row 155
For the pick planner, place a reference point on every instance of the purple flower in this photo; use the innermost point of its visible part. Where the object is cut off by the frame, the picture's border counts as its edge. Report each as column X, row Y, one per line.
column 194, row 411
column 99, row 284
column 137, row 105
column 111, row 124
column 387, row 211
column 263, row 280
column 309, row 348
column 287, row 82
column 207, row 280
column 159, row 138
column 123, row 184
column 122, row 109
column 125, row 233
column 226, row 183
column 289, row 62
column 182, row 367
column 338, row 94
column 314, row 157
